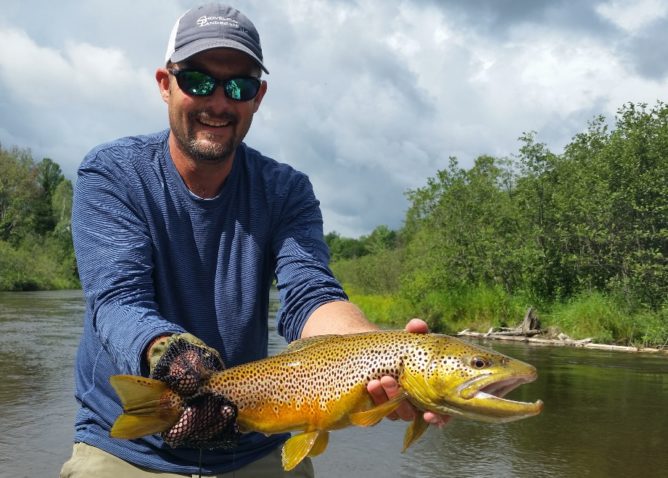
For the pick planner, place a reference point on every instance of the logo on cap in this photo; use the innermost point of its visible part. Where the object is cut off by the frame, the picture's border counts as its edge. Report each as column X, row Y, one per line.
column 205, row 20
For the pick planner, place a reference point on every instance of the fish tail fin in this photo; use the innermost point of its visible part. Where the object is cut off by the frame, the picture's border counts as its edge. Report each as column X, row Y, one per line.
column 149, row 406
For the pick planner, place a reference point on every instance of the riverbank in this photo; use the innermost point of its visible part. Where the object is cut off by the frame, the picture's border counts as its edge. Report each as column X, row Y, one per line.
column 601, row 320
column 561, row 341
column 530, row 331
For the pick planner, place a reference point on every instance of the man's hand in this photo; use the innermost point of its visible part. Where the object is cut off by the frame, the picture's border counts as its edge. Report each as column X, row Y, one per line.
column 182, row 361
column 208, row 421
column 387, row 387
column 185, row 363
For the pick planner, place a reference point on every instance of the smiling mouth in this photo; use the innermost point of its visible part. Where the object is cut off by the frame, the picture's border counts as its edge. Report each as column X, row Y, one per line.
column 214, row 124
column 209, row 120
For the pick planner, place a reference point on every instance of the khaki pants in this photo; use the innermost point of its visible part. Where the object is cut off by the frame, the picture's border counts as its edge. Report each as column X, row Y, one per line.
column 88, row 461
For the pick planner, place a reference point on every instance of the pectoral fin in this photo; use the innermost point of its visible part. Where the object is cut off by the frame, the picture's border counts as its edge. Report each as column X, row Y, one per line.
column 372, row 416
column 300, row 446
column 414, row 430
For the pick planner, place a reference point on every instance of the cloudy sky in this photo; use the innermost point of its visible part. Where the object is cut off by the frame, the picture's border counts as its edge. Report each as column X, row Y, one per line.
column 368, row 97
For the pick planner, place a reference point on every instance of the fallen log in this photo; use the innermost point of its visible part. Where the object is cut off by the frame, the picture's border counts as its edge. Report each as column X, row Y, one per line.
column 561, row 341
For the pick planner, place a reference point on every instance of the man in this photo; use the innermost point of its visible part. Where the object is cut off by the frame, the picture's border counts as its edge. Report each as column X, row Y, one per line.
column 180, row 234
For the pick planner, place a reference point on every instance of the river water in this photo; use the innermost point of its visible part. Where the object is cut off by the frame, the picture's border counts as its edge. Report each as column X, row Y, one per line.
column 606, row 414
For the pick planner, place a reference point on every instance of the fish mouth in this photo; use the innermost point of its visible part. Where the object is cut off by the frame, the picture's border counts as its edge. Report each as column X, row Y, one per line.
column 498, row 390
column 483, row 398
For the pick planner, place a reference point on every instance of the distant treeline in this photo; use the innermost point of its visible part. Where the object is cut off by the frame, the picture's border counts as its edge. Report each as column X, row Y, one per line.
column 582, row 235
column 35, row 238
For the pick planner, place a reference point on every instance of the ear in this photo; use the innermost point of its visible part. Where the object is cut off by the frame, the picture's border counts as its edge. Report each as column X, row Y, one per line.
column 260, row 94
column 162, row 77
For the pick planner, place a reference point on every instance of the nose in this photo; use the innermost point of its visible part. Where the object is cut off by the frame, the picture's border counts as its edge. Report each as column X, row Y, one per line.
column 218, row 103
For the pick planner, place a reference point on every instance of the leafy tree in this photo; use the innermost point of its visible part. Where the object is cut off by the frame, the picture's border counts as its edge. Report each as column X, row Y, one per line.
column 343, row 247
column 623, row 230
column 48, row 177
column 591, row 223
column 381, row 239
column 35, row 240
column 18, row 195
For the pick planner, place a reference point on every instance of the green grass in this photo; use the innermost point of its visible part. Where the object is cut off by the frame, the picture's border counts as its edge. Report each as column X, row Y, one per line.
column 380, row 308
column 34, row 268
column 591, row 315
column 600, row 317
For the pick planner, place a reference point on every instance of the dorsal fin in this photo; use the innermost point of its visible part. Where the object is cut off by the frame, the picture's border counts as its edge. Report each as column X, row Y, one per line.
column 302, row 344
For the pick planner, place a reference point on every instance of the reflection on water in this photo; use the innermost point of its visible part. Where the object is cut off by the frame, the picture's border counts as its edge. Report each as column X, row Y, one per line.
column 605, row 413
column 39, row 332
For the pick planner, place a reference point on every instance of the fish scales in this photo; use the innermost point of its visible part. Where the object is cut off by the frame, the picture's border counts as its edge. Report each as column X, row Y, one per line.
column 320, row 384
column 335, row 374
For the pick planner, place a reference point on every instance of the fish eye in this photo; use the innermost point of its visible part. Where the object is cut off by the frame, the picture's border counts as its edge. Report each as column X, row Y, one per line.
column 479, row 362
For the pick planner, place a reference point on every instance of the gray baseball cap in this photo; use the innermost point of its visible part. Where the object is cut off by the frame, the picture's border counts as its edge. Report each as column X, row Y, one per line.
column 213, row 26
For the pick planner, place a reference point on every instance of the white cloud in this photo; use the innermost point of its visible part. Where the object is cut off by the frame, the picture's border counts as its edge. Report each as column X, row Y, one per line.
column 633, row 15
column 48, row 77
column 63, row 101
column 369, row 97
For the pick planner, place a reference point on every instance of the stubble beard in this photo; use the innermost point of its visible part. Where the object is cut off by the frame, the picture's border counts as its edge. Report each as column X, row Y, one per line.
column 204, row 150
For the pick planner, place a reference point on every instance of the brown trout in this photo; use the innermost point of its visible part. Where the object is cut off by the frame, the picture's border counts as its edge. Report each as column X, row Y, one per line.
column 320, row 384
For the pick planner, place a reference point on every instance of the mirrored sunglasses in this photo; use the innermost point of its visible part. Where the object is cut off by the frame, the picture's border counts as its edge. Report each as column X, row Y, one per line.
column 197, row 83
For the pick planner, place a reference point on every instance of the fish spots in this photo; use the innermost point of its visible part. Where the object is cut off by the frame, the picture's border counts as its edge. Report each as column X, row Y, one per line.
column 321, row 381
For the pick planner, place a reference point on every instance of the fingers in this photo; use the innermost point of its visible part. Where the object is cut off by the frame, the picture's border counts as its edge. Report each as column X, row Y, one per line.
column 438, row 420
column 417, row 326
column 185, row 374
column 386, row 388
column 208, row 420
column 184, row 366
column 176, row 435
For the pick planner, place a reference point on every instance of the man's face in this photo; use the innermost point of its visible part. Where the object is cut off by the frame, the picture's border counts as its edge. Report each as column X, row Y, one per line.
column 209, row 128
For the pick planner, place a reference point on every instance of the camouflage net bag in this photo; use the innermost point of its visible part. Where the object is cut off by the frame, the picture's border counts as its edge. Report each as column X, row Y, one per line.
column 185, row 363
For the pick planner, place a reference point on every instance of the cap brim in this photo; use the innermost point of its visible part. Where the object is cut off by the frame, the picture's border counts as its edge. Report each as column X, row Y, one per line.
column 203, row 45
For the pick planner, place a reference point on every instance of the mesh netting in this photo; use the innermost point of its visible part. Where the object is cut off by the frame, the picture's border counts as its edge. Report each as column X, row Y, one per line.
column 184, row 366
column 208, row 421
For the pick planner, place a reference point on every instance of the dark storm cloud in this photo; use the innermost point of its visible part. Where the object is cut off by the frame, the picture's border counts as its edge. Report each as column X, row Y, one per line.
column 499, row 17
column 647, row 51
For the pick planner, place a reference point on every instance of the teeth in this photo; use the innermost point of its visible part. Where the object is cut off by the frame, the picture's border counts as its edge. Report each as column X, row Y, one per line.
column 214, row 124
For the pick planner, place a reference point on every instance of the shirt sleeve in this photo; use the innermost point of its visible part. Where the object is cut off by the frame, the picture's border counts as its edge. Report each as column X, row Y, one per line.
column 304, row 280
column 114, row 255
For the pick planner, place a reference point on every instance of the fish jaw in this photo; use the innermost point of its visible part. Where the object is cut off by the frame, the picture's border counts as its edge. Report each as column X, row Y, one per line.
column 482, row 398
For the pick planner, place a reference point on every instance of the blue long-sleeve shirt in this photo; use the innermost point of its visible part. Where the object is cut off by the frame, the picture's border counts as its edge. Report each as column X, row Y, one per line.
column 154, row 259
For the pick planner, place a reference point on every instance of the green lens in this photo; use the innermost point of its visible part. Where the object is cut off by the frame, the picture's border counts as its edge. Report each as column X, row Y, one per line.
column 242, row 89
column 234, row 89
column 197, row 83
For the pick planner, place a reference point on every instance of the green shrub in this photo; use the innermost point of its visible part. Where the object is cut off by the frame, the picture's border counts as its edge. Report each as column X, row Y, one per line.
column 602, row 318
